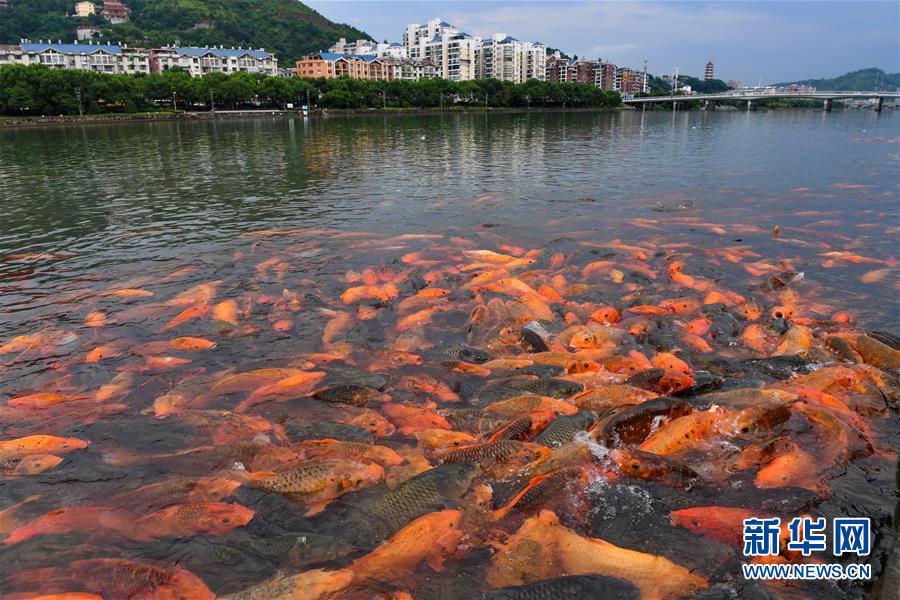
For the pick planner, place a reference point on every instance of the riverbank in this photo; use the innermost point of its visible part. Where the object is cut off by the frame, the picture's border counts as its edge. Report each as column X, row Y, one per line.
column 100, row 119
column 45, row 120
column 42, row 121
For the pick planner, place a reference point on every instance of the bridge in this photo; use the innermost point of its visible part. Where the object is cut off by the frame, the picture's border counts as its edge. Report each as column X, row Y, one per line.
column 709, row 100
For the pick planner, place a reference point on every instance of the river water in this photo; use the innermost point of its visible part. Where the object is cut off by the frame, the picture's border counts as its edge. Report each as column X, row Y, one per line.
column 283, row 215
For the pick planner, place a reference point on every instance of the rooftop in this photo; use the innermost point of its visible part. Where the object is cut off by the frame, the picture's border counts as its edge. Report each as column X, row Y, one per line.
column 75, row 48
column 221, row 52
column 71, row 48
column 335, row 56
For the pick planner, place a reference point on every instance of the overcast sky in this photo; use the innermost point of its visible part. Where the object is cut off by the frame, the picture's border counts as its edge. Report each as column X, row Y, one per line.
column 773, row 41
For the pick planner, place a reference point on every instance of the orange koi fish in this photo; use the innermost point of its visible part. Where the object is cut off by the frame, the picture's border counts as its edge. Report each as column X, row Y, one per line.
column 188, row 314
column 295, row 386
column 118, row 578
column 410, row 420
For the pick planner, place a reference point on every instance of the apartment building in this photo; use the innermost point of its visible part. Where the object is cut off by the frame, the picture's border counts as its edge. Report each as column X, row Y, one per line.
column 605, row 76
column 500, row 57
column 564, row 70
column 628, row 81
column 416, row 36
column 411, row 70
column 458, row 56
column 369, row 47
column 328, row 64
column 534, row 65
column 358, row 47
column 505, row 58
column 454, row 55
column 102, row 58
column 115, row 58
column 200, row 61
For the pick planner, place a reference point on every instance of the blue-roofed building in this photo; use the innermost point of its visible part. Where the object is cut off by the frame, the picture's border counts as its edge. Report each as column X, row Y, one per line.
column 102, row 58
column 201, row 61
column 119, row 58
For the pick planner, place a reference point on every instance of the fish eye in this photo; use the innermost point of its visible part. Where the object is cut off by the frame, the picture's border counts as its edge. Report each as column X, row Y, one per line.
column 635, row 466
column 226, row 520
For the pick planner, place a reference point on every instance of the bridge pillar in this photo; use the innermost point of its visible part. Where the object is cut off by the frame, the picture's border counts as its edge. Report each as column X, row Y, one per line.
column 827, row 105
column 879, row 104
column 749, row 105
column 709, row 105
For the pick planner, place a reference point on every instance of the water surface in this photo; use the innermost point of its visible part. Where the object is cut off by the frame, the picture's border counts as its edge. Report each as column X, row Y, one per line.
column 283, row 213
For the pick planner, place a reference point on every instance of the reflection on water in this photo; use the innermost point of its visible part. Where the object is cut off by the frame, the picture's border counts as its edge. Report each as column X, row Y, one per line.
column 196, row 307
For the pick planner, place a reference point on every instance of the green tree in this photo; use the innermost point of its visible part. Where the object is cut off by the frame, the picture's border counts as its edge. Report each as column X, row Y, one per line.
column 37, row 89
column 275, row 91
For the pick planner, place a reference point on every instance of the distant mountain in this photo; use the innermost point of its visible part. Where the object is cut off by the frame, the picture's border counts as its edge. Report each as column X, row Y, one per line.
column 863, row 80
column 287, row 27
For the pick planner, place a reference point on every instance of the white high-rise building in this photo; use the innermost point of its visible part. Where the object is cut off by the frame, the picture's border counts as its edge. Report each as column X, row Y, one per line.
column 454, row 55
column 459, row 56
column 417, row 36
column 507, row 59
column 534, row 61
column 500, row 57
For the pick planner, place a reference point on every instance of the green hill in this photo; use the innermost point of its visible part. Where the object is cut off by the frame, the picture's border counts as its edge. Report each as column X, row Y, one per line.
column 864, row 80
column 287, row 27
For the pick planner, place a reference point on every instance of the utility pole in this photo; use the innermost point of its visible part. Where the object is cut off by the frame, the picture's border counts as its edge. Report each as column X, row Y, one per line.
column 212, row 102
column 174, row 104
column 78, row 99
column 442, row 100
column 383, row 100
